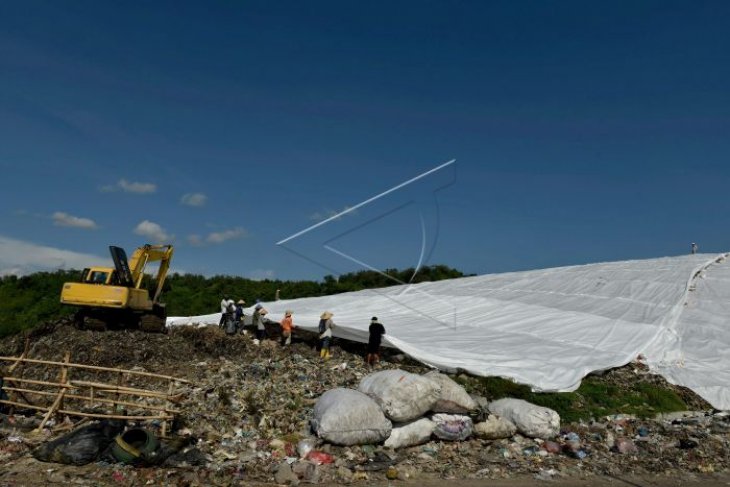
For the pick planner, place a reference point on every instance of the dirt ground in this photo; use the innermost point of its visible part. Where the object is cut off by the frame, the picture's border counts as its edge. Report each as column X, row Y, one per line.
column 31, row 473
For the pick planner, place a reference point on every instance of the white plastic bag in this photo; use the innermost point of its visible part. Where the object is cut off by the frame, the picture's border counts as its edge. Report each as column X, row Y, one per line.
column 452, row 427
column 348, row 417
column 531, row 420
column 454, row 398
column 495, row 428
column 402, row 395
column 410, row 434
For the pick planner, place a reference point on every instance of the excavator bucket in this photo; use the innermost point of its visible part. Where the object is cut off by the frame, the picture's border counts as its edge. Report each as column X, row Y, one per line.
column 122, row 265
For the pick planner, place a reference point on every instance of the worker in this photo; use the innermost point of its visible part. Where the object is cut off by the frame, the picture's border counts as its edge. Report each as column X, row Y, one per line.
column 228, row 307
column 259, row 314
column 226, row 303
column 325, row 334
column 239, row 315
column 377, row 330
column 287, row 326
column 694, row 248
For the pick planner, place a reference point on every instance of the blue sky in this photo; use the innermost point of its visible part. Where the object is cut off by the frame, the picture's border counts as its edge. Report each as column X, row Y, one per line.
column 583, row 132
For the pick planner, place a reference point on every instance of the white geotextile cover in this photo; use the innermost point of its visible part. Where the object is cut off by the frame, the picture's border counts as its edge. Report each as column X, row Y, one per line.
column 549, row 328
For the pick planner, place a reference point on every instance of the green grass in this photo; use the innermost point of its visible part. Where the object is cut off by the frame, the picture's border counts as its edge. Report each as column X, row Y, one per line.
column 595, row 397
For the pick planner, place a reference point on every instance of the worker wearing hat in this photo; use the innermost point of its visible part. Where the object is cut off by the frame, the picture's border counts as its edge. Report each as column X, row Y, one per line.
column 287, row 326
column 240, row 316
column 258, row 321
column 325, row 334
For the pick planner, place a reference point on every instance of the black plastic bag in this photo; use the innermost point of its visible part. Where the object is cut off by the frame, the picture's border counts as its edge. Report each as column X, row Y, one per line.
column 81, row 446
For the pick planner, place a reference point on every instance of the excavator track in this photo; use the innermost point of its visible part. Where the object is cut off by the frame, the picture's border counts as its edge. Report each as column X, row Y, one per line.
column 152, row 323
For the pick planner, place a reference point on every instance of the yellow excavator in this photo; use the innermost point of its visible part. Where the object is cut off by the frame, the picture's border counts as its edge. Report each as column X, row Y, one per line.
column 114, row 298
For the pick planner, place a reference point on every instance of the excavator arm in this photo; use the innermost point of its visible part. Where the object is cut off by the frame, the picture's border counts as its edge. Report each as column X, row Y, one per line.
column 143, row 256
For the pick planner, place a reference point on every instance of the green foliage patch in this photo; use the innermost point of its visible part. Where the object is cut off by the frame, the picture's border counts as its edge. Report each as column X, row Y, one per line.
column 596, row 397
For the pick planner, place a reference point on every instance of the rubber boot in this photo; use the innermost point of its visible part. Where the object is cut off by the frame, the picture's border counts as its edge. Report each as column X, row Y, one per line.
column 328, row 355
column 322, row 353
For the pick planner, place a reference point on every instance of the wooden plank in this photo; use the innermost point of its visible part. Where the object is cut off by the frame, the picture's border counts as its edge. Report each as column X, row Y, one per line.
column 94, row 367
column 62, row 391
column 123, row 390
column 16, row 364
column 84, row 415
column 98, row 399
column 40, row 382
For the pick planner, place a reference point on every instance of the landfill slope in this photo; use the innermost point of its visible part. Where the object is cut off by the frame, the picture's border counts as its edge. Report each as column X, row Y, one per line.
column 699, row 350
column 247, row 407
column 545, row 328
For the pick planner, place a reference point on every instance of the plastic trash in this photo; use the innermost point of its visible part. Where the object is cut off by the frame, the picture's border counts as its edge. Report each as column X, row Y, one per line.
column 551, row 447
column 625, row 445
column 320, row 457
column 572, row 442
column 453, row 398
column 452, row 427
column 531, row 420
column 347, row 417
column 82, row 446
column 410, row 434
column 134, row 446
column 305, row 446
column 402, row 396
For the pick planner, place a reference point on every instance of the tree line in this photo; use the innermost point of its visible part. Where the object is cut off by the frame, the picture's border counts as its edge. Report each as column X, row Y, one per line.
column 28, row 300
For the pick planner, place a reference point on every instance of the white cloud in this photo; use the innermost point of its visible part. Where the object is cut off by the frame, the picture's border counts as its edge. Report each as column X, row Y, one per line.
column 216, row 237
column 261, row 274
column 220, row 237
column 325, row 214
column 137, row 187
column 62, row 219
column 153, row 231
column 129, row 187
column 193, row 199
column 19, row 257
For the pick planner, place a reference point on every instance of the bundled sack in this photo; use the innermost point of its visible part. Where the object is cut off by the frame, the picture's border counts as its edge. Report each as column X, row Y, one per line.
column 348, row 417
column 82, row 446
column 410, row 434
column 402, row 395
column 531, row 420
column 452, row 427
column 495, row 428
column 454, row 399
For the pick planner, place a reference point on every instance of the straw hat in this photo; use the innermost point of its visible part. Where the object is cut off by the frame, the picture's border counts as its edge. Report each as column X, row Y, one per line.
column 326, row 315
column 263, row 311
column 241, row 301
column 288, row 312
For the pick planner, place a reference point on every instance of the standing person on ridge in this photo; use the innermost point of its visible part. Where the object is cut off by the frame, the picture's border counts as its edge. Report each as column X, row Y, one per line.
column 694, row 248
column 325, row 334
column 240, row 316
column 286, row 329
column 228, row 307
column 377, row 330
column 258, row 321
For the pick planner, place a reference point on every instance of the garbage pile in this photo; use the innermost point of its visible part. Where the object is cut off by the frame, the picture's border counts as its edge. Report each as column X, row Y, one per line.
column 249, row 412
